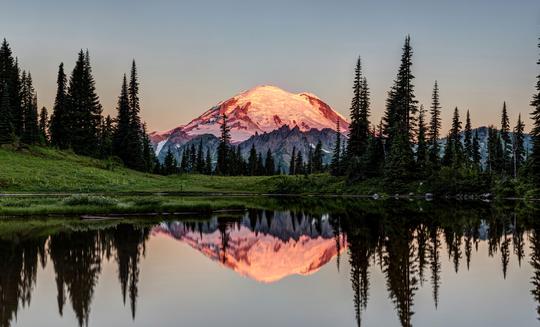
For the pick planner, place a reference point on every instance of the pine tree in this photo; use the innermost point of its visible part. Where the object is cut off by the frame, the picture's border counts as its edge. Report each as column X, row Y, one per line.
column 6, row 125
column 148, row 152
column 122, row 132
column 260, row 165
column 208, row 163
column 421, row 150
column 292, row 168
column 401, row 110
column 200, row 158
column 359, row 113
column 317, row 165
column 434, row 127
column 43, row 126
column 535, row 133
column 135, row 130
column 336, row 164
column 169, row 163
column 269, row 164
column 222, row 167
column 84, row 108
column 252, row 161
column 60, row 123
column 454, row 149
column 506, row 141
column 495, row 151
column 299, row 164
column 518, row 150
column 106, row 139
column 468, row 138
column 10, row 80
column 476, row 155
column 29, row 104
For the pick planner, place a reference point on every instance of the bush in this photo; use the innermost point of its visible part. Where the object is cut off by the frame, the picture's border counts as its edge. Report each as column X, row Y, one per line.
column 83, row 199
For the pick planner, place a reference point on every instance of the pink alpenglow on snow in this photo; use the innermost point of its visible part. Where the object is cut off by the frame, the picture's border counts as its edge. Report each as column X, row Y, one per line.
column 263, row 109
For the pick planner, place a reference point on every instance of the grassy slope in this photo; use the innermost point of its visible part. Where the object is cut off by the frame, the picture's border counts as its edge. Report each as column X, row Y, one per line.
column 46, row 170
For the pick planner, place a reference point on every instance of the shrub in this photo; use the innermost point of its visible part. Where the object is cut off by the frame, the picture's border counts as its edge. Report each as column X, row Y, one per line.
column 83, row 199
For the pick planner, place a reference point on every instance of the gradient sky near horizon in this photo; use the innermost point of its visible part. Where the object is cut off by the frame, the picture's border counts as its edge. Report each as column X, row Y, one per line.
column 193, row 54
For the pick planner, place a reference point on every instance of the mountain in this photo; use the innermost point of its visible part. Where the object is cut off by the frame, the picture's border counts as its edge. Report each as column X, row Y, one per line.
column 262, row 109
column 265, row 247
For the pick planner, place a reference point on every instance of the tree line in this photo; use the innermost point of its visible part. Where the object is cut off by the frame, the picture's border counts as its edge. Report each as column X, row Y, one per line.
column 77, row 122
column 406, row 146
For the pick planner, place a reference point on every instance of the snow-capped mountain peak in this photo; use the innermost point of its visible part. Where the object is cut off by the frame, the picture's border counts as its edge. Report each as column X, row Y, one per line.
column 262, row 109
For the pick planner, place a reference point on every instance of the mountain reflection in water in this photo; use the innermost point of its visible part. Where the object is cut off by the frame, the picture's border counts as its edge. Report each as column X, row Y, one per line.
column 407, row 244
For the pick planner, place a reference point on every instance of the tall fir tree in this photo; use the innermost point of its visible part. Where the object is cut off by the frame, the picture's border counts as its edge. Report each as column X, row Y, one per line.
column 299, row 164
column 336, row 163
column 200, row 158
column 135, row 140
column 317, row 165
column 6, row 124
column 535, row 133
column 10, row 81
column 468, row 138
column 421, row 147
column 269, row 164
column 30, row 133
column 43, row 126
column 476, row 156
column 106, row 137
column 292, row 167
column 121, row 146
column 401, row 110
column 495, row 160
column 434, row 127
column 252, row 161
column 148, row 151
column 506, row 140
column 169, row 163
column 359, row 114
column 60, row 122
column 208, row 163
column 84, row 109
column 518, row 149
column 453, row 152
column 224, row 146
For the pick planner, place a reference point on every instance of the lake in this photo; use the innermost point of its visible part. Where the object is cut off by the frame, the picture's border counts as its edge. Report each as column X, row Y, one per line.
column 318, row 262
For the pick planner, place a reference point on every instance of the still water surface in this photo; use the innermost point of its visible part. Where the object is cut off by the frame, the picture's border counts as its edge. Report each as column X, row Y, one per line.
column 357, row 264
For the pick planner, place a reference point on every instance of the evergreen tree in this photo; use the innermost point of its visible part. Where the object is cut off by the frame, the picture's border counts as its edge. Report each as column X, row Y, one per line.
column 476, row 155
column 10, row 81
column 317, row 165
column 336, row 164
column 135, row 130
column 192, row 158
column 222, row 167
column 60, row 122
column 400, row 121
column 518, row 150
column 495, row 151
column 84, row 109
column 309, row 166
column 359, row 127
column 169, row 163
column 535, row 133
column 434, row 127
column 6, row 124
column 421, row 150
column 292, row 168
column 29, row 105
column 269, row 164
column 122, row 132
column 148, row 151
column 260, row 165
column 252, row 161
column 506, row 141
column 208, row 163
column 299, row 164
column 43, row 126
column 107, row 134
column 453, row 154
column 200, row 158
column 373, row 160
column 468, row 138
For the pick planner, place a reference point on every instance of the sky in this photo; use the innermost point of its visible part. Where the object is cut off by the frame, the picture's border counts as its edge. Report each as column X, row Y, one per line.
column 193, row 54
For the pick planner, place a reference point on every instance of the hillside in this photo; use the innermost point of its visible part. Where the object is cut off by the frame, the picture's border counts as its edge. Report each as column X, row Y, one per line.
column 39, row 169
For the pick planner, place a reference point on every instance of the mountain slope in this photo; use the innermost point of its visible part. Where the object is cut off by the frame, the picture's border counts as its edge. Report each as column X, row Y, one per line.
column 258, row 110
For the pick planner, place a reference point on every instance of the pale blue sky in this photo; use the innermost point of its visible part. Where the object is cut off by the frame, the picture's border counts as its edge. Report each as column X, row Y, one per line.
column 192, row 54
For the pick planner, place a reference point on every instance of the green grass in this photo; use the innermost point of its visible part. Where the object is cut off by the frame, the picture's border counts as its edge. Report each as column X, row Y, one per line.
column 39, row 170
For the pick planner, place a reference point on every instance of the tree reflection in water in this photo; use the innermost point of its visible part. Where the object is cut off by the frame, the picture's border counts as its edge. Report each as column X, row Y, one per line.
column 403, row 240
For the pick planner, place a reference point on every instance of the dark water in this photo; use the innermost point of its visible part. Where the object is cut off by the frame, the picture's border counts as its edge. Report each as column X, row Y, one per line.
column 343, row 264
